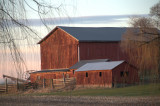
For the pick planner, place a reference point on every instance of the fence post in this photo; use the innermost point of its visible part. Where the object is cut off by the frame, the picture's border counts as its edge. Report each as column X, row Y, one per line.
column 43, row 83
column 52, row 83
column 63, row 78
column 17, row 84
column 6, row 86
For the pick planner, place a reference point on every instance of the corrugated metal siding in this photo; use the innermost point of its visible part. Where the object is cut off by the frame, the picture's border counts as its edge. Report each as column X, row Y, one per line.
column 95, row 50
column 59, row 50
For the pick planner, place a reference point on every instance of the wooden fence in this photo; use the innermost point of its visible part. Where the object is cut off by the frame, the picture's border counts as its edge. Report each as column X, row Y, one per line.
column 64, row 83
column 57, row 84
column 5, row 88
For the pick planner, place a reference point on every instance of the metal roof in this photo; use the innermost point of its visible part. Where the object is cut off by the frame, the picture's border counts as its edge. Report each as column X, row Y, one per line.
column 100, row 66
column 84, row 34
column 51, row 70
column 101, row 34
column 83, row 62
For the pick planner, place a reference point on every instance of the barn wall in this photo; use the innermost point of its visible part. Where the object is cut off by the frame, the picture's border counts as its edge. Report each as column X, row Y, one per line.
column 101, row 50
column 59, row 51
column 50, row 75
column 131, row 78
column 94, row 78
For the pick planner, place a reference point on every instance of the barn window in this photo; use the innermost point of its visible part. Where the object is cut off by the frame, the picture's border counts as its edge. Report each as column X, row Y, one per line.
column 86, row 74
column 127, row 73
column 121, row 73
column 73, row 72
column 124, row 74
column 100, row 74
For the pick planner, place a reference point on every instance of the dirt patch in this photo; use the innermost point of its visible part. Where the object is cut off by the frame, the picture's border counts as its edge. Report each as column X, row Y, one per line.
column 77, row 100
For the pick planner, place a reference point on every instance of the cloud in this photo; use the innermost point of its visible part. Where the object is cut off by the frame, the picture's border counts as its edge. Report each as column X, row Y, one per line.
column 104, row 19
column 82, row 20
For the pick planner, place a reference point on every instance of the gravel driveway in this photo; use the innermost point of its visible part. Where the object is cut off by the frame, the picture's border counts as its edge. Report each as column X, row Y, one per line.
column 77, row 101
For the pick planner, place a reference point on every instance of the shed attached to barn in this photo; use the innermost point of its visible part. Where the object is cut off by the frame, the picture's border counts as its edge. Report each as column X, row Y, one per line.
column 106, row 74
column 50, row 74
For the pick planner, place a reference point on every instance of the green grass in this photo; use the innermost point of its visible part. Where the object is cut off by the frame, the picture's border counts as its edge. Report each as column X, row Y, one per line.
column 139, row 90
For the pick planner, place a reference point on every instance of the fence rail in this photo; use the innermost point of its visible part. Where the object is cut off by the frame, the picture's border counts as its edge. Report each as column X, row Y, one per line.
column 57, row 84
column 63, row 83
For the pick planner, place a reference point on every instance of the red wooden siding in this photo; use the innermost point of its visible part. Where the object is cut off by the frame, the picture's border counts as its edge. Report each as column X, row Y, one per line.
column 101, row 50
column 51, row 75
column 59, row 51
column 108, row 77
column 125, row 67
column 94, row 78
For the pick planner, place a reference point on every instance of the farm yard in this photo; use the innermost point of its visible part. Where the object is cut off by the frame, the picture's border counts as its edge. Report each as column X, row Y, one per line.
column 148, row 94
column 77, row 100
column 96, row 60
column 83, row 72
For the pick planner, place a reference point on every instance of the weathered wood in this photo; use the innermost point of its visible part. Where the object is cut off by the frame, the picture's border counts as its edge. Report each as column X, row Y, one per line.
column 6, row 86
column 94, row 78
column 43, row 83
column 50, row 75
column 17, row 85
column 52, row 86
column 13, row 78
column 101, row 50
column 59, row 51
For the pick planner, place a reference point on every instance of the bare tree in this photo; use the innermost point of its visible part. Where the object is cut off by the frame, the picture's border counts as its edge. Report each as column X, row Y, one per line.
column 14, row 26
column 142, row 43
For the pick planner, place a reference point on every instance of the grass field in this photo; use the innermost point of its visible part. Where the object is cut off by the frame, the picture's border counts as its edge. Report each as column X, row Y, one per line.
column 139, row 90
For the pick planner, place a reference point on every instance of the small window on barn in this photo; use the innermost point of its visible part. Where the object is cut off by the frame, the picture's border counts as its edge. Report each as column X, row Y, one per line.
column 100, row 74
column 121, row 73
column 86, row 74
column 73, row 72
column 124, row 74
column 127, row 73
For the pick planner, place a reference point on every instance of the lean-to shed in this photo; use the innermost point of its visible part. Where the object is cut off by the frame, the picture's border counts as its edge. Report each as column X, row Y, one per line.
column 106, row 74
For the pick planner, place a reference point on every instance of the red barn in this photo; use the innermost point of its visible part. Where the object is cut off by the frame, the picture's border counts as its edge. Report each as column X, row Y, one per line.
column 107, row 74
column 64, row 46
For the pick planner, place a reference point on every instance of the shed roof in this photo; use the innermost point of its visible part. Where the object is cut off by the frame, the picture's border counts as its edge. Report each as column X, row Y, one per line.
column 100, row 66
column 51, row 70
column 92, row 34
column 83, row 62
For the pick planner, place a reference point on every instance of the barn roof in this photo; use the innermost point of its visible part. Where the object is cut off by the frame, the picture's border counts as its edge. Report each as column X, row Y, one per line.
column 51, row 70
column 92, row 34
column 100, row 66
column 95, row 33
column 83, row 62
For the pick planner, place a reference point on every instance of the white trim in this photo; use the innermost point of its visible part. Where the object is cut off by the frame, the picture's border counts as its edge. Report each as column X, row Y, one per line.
column 78, row 54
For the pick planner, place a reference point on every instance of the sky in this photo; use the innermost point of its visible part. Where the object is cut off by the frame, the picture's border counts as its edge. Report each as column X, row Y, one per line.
column 84, row 13
column 78, row 12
